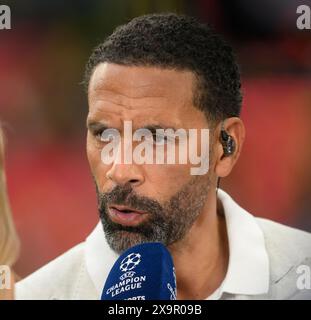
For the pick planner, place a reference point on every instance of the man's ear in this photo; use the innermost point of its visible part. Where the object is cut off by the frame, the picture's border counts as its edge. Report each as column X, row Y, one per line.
column 235, row 128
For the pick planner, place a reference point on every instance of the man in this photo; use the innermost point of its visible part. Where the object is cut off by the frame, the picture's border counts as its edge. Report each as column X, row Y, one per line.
column 169, row 71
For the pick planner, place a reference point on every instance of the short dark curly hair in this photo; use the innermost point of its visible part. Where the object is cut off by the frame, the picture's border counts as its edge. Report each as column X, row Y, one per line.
column 178, row 42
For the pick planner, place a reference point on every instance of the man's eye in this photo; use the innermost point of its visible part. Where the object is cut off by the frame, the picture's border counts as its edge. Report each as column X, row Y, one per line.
column 98, row 134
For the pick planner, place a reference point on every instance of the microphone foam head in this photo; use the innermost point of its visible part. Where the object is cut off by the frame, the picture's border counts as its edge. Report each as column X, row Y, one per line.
column 143, row 272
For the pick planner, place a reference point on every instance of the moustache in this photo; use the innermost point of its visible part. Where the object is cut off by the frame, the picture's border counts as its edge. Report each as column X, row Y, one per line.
column 125, row 195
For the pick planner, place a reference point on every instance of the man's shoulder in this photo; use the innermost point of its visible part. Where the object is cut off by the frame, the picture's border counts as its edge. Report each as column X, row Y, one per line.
column 59, row 279
column 285, row 241
column 289, row 250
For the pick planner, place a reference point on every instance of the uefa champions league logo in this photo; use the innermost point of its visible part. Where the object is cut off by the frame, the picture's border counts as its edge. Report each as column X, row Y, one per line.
column 128, row 279
column 130, row 262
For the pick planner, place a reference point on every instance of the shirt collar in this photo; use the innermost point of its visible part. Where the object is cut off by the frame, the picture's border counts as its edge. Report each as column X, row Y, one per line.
column 99, row 257
column 248, row 269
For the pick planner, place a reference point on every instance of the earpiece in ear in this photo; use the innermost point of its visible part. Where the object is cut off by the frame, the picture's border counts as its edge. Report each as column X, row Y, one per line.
column 227, row 142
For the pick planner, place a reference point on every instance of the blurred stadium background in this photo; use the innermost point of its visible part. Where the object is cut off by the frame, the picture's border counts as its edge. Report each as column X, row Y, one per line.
column 43, row 108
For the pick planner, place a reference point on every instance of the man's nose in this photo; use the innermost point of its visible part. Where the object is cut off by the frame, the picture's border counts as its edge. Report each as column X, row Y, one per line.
column 122, row 174
column 124, row 171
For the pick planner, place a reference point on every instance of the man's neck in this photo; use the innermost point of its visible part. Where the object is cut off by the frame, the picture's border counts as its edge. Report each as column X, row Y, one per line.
column 201, row 258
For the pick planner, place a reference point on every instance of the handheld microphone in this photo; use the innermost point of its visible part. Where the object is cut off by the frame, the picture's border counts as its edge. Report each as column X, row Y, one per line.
column 143, row 272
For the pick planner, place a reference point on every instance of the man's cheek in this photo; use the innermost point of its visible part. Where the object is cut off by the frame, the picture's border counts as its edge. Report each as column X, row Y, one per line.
column 96, row 166
column 179, row 173
column 166, row 180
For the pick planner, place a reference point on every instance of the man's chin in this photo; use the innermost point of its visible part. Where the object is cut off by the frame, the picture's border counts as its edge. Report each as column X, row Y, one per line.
column 121, row 240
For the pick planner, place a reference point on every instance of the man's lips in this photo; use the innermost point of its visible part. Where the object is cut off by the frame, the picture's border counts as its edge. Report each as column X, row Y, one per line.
column 126, row 215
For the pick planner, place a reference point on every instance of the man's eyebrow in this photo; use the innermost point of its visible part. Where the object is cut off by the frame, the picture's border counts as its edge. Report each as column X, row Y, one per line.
column 96, row 126
column 154, row 127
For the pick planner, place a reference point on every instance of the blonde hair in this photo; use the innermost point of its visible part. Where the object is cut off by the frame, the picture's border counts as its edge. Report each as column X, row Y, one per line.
column 9, row 243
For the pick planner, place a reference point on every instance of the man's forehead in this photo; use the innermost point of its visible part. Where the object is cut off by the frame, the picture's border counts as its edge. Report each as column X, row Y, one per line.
column 140, row 117
column 142, row 93
column 140, row 81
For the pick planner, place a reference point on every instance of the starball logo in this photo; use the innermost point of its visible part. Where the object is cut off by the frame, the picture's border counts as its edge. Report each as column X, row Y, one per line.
column 5, row 17
column 130, row 262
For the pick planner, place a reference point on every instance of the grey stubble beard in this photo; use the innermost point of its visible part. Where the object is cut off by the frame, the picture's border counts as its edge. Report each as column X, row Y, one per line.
column 167, row 223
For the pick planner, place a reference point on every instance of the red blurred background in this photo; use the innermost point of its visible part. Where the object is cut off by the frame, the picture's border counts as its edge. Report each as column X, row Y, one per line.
column 43, row 109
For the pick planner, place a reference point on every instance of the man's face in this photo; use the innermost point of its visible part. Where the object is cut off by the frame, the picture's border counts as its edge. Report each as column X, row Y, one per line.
column 143, row 202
